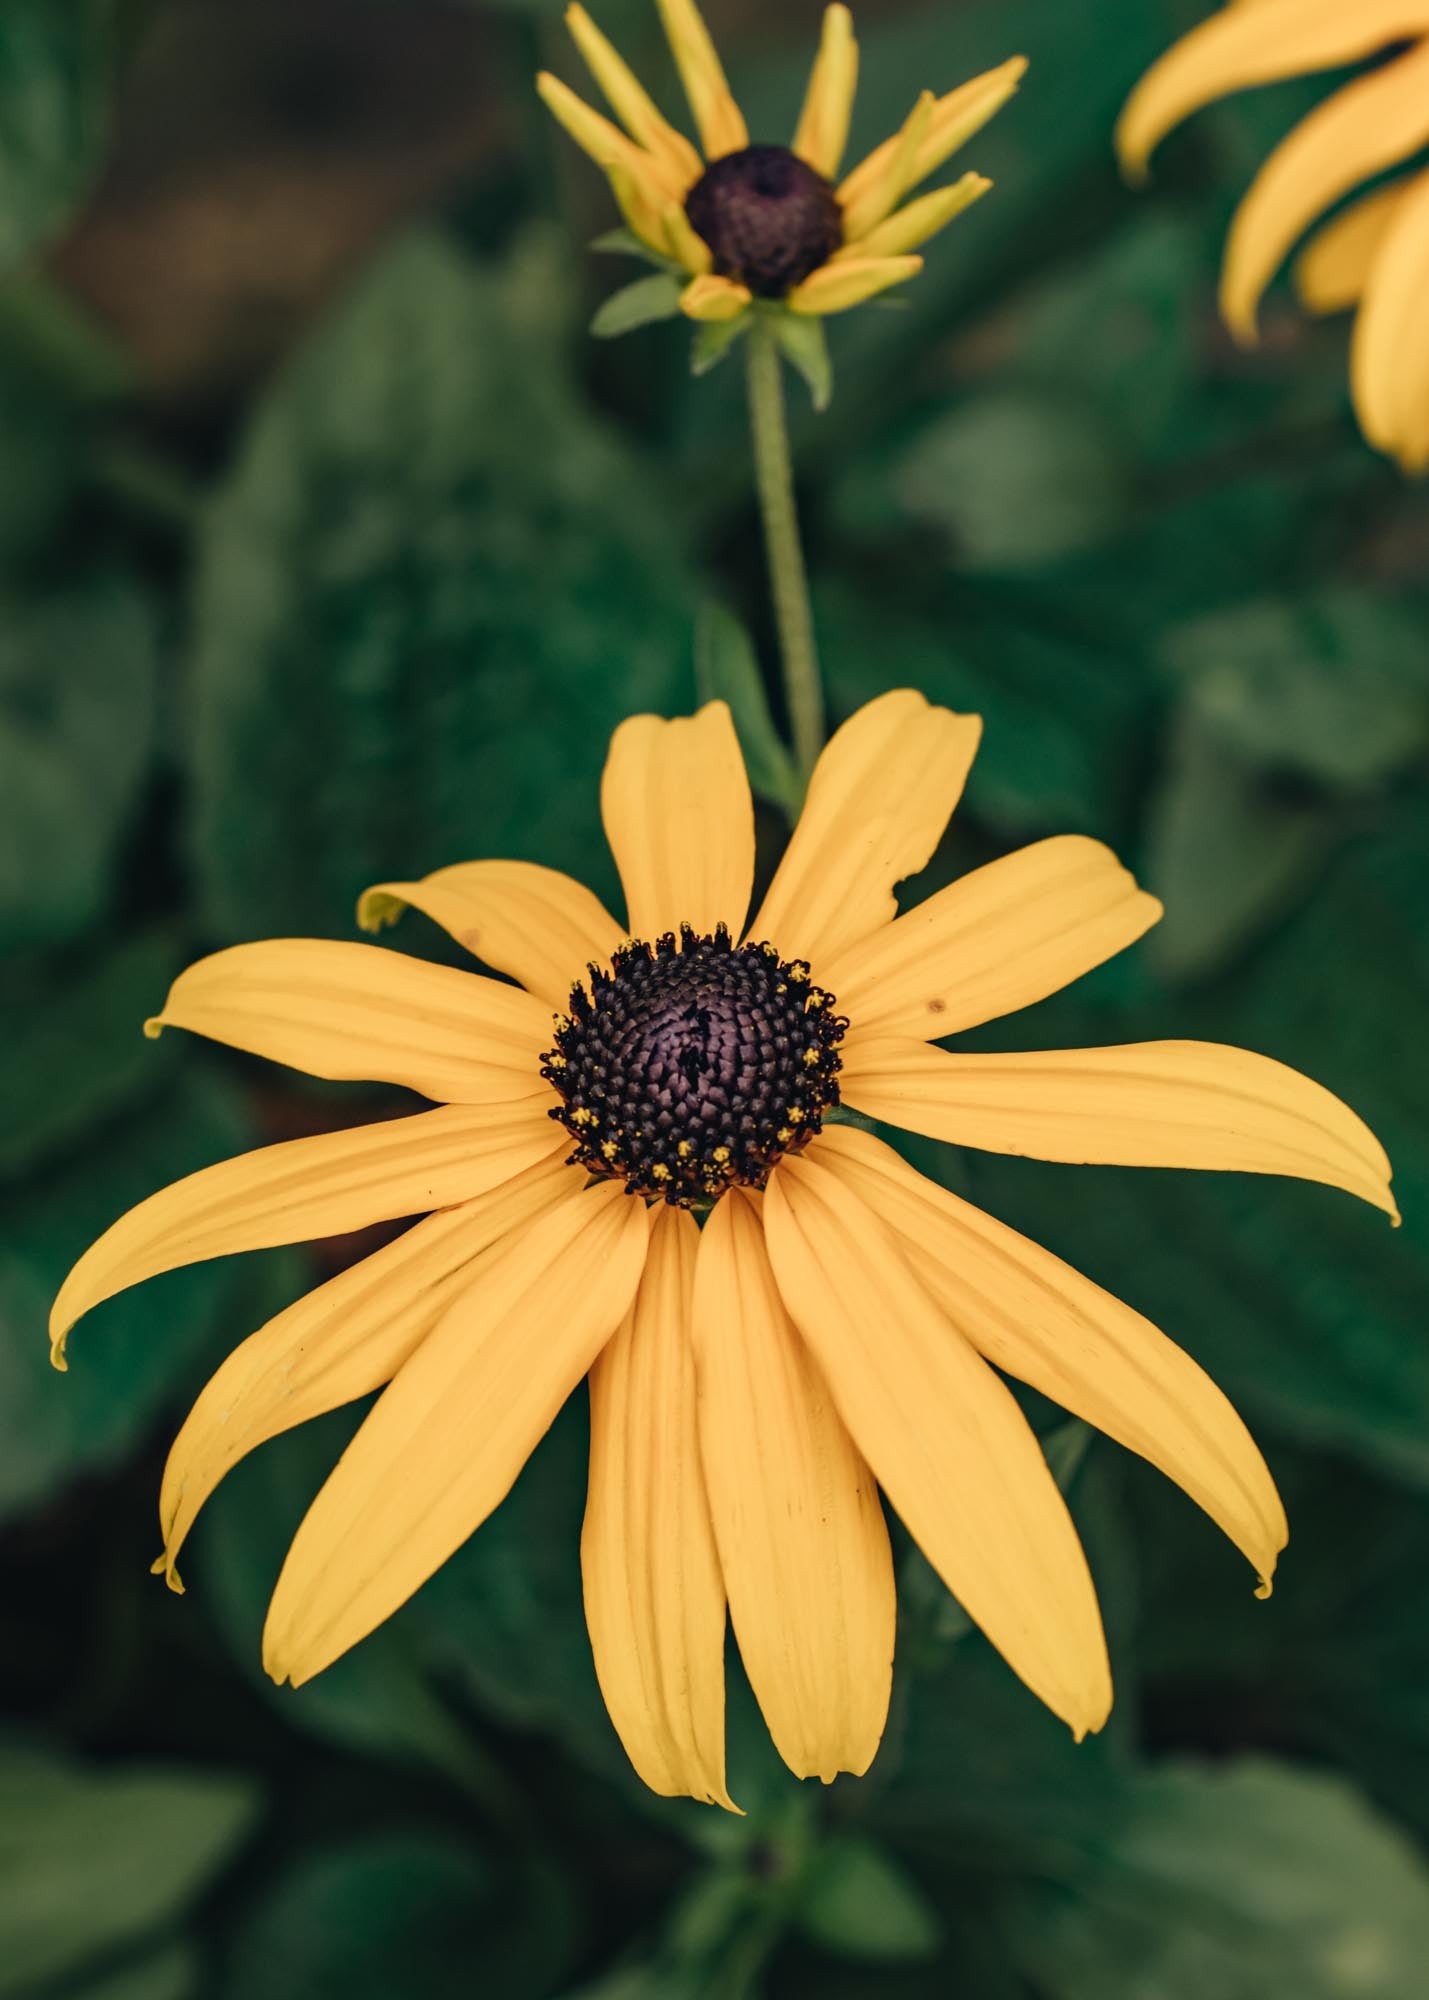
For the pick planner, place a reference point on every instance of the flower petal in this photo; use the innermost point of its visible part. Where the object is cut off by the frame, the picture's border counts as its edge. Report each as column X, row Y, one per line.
column 654, row 1595
column 444, row 1443
column 1150, row 1104
column 801, row 1534
column 1365, row 127
column 339, row 1342
column 608, row 146
column 913, row 224
column 359, row 1011
column 630, row 101
column 306, row 1188
column 838, row 285
column 879, row 799
column 1036, row 1318
column 721, row 126
column 1387, row 352
column 680, row 821
column 1001, row 938
column 945, row 1438
column 865, row 208
column 533, row 923
column 822, row 132
column 956, row 117
column 1246, row 45
column 1332, row 271
column 712, row 298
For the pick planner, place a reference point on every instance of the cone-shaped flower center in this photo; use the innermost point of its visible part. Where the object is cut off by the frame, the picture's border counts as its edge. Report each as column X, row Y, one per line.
column 693, row 1065
column 768, row 218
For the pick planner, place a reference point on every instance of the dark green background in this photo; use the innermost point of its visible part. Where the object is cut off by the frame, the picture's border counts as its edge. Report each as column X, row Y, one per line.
column 331, row 548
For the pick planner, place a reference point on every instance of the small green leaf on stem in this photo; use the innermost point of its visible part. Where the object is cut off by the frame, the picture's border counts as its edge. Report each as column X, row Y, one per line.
column 803, row 345
column 713, row 340
column 652, row 298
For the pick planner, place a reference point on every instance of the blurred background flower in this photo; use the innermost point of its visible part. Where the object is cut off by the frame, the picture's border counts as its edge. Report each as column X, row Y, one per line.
column 330, row 550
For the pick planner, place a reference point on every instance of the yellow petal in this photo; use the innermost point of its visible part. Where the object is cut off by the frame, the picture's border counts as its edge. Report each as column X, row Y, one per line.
column 865, row 208
column 944, row 1437
column 607, row 145
column 956, row 117
column 879, row 799
column 630, row 101
column 306, row 1188
column 1151, row 1104
column 1003, row 937
column 683, row 241
column 339, row 1342
column 533, row 923
column 1368, row 126
column 1333, row 270
column 822, row 132
column 721, row 126
column 801, row 1535
column 712, row 298
column 913, row 224
column 1389, row 336
column 836, row 286
column 654, row 1595
column 646, row 210
column 444, row 1443
column 1246, row 45
column 680, row 821
column 1036, row 1318
column 358, row 1011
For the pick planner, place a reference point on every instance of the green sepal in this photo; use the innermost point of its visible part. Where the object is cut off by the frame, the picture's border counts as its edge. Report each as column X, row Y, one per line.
column 857, row 1902
column 648, row 299
column 727, row 669
column 625, row 243
column 713, row 340
column 804, row 346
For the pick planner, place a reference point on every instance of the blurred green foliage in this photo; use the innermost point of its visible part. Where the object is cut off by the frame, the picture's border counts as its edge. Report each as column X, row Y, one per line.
column 372, row 602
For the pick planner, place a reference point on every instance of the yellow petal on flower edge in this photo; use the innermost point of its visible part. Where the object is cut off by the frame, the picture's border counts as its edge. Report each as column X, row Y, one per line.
column 956, row 117
column 1246, row 45
column 444, row 1443
column 531, row 922
column 836, row 286
column 630, row 101
column 801, row 1534
column 913, row 224
column 1037, row 1319
column 654, row 1595
column 822, row 131
column 1387, row 352
column 607, row 145
column 1365, row 127
column 944, row 1436
column 680, row 821
column 1332, row 271
column 338, row 1342
column 360, row 1012
column 712, row 298
column 1150, row 1104
column 1001, row 938
column 866, row 208
column 881, row 794
column 721, row 125
column 306, row 1188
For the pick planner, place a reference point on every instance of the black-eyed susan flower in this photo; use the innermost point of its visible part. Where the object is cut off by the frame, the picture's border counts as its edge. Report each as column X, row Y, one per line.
column 1374, row 254
column 837, row 1325
column 743, row 221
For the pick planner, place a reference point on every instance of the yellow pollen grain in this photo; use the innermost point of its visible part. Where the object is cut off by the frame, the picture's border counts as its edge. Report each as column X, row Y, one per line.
column 684, row 1149
column 811, row 1056
column 784, row 1134
column 720, row 1156
column 610, row 1149
column 582, row 1116
column 659, row 1172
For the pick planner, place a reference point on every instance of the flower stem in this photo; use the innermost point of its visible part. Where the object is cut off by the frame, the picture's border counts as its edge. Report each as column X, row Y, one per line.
column 774, row 475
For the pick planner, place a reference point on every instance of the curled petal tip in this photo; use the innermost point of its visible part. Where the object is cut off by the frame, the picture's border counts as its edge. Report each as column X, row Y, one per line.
column 58, row 1358
column 154, row 1027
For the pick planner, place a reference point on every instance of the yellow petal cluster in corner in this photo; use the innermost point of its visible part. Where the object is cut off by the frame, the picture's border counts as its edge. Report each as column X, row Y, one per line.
column 1374, row 254
column 766, row 249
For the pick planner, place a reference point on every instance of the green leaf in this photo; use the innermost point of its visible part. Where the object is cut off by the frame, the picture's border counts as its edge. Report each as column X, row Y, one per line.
column 638, row 304
column 1252, row 1881
column 435, row 583
column 140, row 1350
column 858, row 1903
column 78, row 687
column 92, row 1861
column 54, row 61
column 727, row 669
column 625, row 243
column 713, row 340
column 804, row 345
column 173, row 1972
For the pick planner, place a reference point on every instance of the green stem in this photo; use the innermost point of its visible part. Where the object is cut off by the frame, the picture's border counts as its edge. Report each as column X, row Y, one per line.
column 774, row 474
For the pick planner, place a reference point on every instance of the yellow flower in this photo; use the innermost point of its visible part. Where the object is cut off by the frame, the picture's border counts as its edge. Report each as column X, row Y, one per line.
column 1375, row 253
column 758, row 221
column 838, row 1323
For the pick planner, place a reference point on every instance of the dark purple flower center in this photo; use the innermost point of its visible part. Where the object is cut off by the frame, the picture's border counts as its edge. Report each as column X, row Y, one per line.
column 768, row 218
